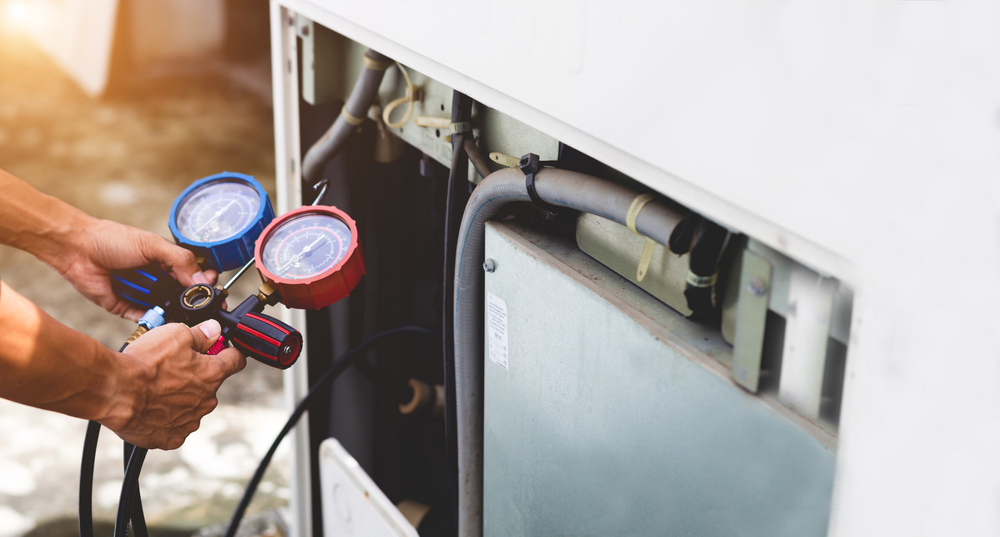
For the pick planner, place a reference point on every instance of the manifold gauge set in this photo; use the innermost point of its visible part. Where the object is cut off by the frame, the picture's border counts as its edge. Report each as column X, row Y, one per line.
column 307, row 258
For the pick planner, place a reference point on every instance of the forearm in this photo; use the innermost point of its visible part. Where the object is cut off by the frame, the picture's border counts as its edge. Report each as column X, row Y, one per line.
column 40, row 224
column 48, row 365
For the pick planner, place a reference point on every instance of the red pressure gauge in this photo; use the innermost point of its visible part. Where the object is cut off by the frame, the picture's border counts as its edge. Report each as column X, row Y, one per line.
column 311, row 256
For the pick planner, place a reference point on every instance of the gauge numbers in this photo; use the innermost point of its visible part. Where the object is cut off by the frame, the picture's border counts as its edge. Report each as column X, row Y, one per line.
column 217, row 211
column 306, row 246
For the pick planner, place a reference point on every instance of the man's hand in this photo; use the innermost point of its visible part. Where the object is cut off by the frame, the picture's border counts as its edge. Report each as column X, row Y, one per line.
column 106, row 246
column 169, row 384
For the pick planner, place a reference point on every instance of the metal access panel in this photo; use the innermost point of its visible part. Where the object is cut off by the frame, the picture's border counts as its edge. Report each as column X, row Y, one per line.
column 608, row 413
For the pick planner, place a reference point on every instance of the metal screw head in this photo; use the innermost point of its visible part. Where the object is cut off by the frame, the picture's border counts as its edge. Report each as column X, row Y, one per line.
column 287, row 349
column 489, row 265
column 757, row 287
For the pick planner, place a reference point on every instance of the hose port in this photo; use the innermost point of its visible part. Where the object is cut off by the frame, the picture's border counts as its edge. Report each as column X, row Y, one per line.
column 201, row 302
column 198, row 296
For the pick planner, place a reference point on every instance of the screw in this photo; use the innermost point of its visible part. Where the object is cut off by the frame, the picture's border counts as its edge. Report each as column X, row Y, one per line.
column 757, row 287
column 287, row 349
column 489, row 265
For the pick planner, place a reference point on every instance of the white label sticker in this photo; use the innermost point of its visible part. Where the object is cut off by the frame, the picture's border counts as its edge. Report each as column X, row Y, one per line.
column 497, row 320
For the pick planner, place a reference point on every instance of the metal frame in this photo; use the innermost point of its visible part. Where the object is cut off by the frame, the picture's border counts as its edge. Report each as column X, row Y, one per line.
column 288, row 166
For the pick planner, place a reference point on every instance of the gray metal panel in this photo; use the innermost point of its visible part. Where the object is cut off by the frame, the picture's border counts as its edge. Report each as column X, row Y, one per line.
column 603, row 425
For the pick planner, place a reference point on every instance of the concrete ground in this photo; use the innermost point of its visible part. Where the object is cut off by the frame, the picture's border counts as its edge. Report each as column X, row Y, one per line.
column 125, row 159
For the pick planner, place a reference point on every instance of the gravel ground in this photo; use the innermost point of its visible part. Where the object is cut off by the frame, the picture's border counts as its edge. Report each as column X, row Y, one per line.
column 125, row 159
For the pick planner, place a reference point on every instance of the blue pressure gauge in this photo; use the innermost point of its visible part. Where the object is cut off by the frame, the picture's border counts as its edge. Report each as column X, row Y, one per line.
column 220, row 217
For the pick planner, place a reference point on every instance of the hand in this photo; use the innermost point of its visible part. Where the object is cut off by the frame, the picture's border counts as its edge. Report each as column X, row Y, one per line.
column 106, row 246
column 169, row 384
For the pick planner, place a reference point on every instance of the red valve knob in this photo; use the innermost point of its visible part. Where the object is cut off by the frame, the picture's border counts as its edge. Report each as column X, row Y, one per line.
column 218, row 347
column 268, row 340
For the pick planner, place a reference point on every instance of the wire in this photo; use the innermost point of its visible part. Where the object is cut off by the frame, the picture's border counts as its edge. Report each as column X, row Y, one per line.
column 340, row 364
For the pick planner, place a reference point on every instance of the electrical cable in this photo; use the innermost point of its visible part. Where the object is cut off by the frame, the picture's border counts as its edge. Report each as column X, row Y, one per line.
column 461, row 111
column 339, row 365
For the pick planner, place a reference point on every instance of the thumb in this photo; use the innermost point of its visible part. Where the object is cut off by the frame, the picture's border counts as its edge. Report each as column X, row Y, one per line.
column 178, row 260
column 205, row 335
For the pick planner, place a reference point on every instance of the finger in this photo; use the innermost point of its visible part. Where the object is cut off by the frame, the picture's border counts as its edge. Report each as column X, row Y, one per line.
column 133, row 314
column 212, row 276
column 230, row 361
column 177, row 260
column 205, row 335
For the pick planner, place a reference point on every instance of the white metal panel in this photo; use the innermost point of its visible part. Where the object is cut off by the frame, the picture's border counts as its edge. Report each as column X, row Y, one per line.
column 810, row 305
column 352, row 503
column 858, row 137
column 284, row 73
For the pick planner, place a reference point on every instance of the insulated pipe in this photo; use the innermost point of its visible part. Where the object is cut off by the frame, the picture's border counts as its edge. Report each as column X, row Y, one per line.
column 557, row 187
column 357, row 105
column 471, row 149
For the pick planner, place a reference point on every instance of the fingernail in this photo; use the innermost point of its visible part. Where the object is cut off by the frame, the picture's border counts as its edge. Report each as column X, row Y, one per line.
column 199, row 277
column 210, row 328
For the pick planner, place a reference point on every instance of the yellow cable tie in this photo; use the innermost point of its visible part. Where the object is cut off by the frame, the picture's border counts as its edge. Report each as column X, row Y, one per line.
column 634, row 209
column 375, row 65
column 647, row 256
column 702, row 281
column 505, row 160
column 348, row 117
column 638, row 203
column 461, row 126
column 434, row 122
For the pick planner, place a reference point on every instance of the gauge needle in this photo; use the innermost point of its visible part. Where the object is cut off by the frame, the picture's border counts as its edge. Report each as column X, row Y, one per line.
column 216, row 215
column 298, row 257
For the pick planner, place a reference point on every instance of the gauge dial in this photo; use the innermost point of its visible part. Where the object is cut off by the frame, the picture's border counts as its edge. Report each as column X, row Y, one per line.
column 311, row 256
column 218, row 211
column 306, row 246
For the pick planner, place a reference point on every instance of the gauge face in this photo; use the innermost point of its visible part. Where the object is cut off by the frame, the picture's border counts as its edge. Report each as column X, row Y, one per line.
column 217, row 211
column 305, row 246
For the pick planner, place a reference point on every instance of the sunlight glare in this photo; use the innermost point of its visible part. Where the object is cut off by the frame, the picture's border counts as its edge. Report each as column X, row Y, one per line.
column 17, row 12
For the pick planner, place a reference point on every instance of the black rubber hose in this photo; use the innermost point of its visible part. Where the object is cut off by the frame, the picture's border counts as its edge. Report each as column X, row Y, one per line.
column 704, row 263
column 457, row 197
column 85, row 517
column 129, row 487
column 339, row 365
column 137, row 517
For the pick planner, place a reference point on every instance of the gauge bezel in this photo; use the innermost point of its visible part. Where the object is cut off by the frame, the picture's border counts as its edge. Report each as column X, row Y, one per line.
column 232, row 252
column 326, row 287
